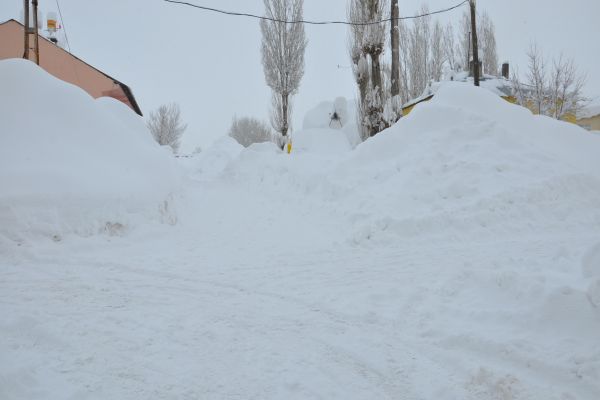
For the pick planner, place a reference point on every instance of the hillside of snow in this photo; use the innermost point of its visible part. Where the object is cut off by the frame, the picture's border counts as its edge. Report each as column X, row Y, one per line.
column 455, row 255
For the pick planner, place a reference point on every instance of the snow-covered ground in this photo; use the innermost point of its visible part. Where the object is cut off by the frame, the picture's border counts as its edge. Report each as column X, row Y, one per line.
column 453, row 256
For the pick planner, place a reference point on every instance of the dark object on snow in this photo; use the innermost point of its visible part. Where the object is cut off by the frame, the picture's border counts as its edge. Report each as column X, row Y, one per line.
column 335, row 118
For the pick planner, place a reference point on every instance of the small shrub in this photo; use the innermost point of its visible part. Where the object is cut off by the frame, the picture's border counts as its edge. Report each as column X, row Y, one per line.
column 248, row 130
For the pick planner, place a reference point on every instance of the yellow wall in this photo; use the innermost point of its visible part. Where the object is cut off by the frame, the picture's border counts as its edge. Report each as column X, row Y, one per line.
column 594, row 122
column 590, row 123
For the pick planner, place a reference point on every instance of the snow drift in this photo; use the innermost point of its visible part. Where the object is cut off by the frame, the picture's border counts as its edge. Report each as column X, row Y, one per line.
column 71, row 163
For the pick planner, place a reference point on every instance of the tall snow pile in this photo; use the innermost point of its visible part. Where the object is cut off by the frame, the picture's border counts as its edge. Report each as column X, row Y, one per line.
column 338, row 115
column 72, row 164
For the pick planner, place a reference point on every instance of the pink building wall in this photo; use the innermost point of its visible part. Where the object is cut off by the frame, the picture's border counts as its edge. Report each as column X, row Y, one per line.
column 64, row 65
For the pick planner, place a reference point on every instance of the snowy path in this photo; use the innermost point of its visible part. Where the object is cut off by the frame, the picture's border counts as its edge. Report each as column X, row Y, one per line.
column 181, row 314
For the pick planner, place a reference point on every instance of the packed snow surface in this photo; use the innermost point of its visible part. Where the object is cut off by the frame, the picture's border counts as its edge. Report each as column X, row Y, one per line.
column 453, row 256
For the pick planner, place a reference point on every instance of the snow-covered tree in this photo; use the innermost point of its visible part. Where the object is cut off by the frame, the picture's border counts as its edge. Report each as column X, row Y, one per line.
column 374, row 46
column 166, row 126
column 367, row 44
column 487, row 44
column 360, row 63
column 247, row 130
column 283, row 47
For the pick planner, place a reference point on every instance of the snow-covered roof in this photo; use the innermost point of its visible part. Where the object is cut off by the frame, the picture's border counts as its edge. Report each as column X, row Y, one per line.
column 499, row 86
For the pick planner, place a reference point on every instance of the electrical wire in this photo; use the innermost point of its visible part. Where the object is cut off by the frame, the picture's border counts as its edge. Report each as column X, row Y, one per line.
column 62, row 21
column 240, row 14
column 73, row 66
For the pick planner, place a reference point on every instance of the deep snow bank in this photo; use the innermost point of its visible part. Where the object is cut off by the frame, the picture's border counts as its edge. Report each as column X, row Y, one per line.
column 69, row 163
column 476, row 164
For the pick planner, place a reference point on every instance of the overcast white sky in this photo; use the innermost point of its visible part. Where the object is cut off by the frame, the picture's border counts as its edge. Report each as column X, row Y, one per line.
column 210, row 64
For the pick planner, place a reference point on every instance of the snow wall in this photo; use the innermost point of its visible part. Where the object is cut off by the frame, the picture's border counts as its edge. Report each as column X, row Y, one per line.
column 72, row 164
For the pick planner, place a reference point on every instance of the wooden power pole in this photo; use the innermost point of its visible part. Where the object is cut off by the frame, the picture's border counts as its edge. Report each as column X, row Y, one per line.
column 26, row 26
column 36, row 41
column 395, row 36
column 475, row 47
column 31, row 30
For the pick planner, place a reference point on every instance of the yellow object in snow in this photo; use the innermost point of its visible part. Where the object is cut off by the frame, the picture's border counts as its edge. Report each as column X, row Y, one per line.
column 289, row 147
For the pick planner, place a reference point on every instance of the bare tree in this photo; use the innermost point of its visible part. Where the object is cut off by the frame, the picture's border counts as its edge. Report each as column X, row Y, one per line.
column 487, row 40
column 518, row 89
column 405, row 70
column 555, row 91
column 283, row 47
column 464, row 42
column 419, row 54
column 450, row 49
column 247, row 130
column 537, row 76
column 166, row 126
column 438, row 57
column 566, row 88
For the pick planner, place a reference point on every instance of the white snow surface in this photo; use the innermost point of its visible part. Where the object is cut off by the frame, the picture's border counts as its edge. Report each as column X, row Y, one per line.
column 454, row 256
column 69, row 163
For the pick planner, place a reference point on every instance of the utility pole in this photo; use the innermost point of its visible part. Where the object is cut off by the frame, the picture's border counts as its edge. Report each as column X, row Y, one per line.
column 36, row 41
column 26, row 26
column 395, row 35
column 29, row 30
column 475, row 47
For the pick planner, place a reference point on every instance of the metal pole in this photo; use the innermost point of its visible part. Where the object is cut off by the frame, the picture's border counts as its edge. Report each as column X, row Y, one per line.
column 26, row 27
column 475, row 47
column 35, row 32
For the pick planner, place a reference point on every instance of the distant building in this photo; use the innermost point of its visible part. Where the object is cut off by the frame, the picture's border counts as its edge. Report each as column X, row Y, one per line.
column 65, row 66
column 589, row 118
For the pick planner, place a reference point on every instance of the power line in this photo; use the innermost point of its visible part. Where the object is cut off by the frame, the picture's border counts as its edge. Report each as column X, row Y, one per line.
column 64, row 27
column 240, row 14
column 62, row 20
